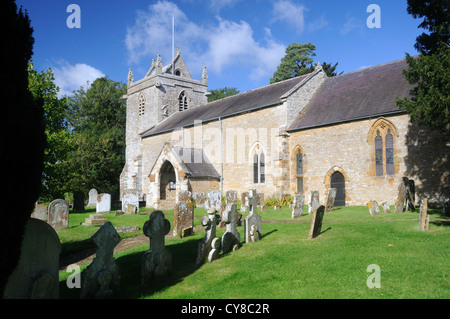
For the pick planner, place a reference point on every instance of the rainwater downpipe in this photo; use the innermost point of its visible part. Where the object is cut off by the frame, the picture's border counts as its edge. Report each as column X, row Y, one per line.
column 221, row 158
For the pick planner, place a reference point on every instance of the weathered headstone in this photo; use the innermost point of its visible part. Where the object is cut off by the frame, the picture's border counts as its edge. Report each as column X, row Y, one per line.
column 58, row 214
column 410, row 195
column 386, row 208
column 103, row 203
column 316, row 222
column 401, row 197
column 183, row 217
column 37, row 273
column 329, row 199
column 130, row 203
column 92, row 197
column 213, row 201
column 374, row 209
column 261, row 200
column 252, row 223
column 244, row 202
column 214, row 254
column 156, row 262
column 231, row 239
column 446, row 208
column 297, row 205
column 40, row 212
column 424, row 218
column 313, row 201
column 78, row 201
column 200, row 199
column 101, row 279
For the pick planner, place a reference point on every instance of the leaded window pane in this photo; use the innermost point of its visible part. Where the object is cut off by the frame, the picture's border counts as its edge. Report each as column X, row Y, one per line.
column 255, row 168
column 262, row 168
column 299, row 163
column 378, row 155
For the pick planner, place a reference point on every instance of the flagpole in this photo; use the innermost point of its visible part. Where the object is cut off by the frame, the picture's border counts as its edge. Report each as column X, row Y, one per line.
column 173, row 44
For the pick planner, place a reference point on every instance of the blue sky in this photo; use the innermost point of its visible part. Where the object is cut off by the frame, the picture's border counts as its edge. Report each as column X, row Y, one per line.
column 240, row 42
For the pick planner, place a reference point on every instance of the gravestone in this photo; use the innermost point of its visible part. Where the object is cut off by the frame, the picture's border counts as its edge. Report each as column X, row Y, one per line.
column 316, row 222
column 205, row 246
column 261, row 200
column 446, row 208
column 40, row 212
column 37, row 273
column 157, row 262
column 244, row 202
column 424, row 218
column 213, row 201
column 231, row 239
column 297, row 205
column 183, row 217
column 329, row 199
column 78, row 201
column 252, row 223
column 386, row 208
column 94, row 219
column 101, row 279
column 130, row 203
column 58, row 214
column 103, row 203
column 410, row 195
column 214, row 254
column 401, row 196
column 200, row 199
column 92, row 197
column 313, row 201
column 373, row 208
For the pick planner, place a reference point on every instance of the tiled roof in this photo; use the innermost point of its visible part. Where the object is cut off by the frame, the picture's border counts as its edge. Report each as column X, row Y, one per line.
column 361, row 94
column 195, row 162
column 268, row 95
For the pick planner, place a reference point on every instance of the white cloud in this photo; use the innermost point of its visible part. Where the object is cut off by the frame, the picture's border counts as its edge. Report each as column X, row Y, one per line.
column 70, row 77
column 217, row 5
column 218, row 46
column 351, row 24
column 290, row 13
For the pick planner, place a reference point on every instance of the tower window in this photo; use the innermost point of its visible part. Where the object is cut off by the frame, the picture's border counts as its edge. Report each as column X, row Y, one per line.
column 141, row 105
column 259, row 165
column 182, row 101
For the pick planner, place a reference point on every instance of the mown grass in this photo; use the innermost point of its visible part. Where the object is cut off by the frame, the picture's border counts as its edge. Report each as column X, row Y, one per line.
column 284, row 264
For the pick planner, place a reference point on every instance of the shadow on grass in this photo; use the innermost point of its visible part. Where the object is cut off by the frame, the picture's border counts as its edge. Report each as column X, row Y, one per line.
column 268, row 233
column 183, row 264
column 324, row 231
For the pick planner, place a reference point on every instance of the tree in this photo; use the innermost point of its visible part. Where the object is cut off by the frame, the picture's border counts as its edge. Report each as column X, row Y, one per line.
column 44, row 91
column 97, row 119
column 330, row 70
column 22, row 138
column 429, row 72
column 218, row 94
column 297, row 61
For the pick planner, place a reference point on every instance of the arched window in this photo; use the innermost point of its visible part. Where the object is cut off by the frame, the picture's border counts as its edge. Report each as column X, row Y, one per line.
column 182, row 101
column 141, row 104
column 262, row 175
column 378, row 155
column 381, row 139
column 389, row 153
column 299, row 171
column 259, row 165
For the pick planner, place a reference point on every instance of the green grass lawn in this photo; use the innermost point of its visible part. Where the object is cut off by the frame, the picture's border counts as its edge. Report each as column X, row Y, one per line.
column 284, row 264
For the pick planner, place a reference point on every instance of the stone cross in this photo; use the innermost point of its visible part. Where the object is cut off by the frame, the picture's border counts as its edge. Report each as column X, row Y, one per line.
column 156, row 262
column 101, row 279
column 252, row 223
column 205, row 246
column 231, row 239
column 329, row 200
column 297, row 207
column 316, row 222
column 424, row 218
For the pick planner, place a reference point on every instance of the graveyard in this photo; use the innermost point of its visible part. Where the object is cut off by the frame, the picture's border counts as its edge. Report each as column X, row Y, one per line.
column 285, row 263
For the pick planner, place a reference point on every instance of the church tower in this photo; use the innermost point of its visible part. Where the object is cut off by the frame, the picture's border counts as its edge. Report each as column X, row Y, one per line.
column 163, row 92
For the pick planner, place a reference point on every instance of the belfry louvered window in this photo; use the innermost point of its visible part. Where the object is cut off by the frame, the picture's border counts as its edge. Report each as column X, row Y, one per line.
column 141, row 105
column 182, row 101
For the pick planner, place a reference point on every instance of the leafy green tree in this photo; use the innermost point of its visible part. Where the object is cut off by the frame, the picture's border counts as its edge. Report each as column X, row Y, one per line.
column 218, row 94
column 330, row 70
column 22, row 138
column 97, row 118
column 297, row 61
column 429, row 72
column 45, row 92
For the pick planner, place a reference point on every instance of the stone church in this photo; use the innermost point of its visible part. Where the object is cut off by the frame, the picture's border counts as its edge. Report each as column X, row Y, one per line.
column 307, row 133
